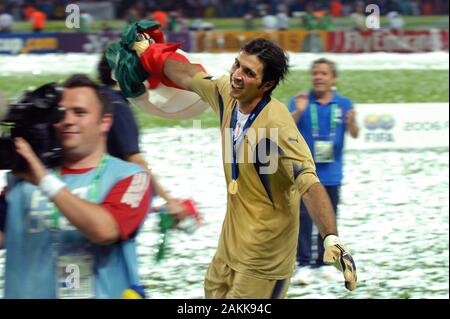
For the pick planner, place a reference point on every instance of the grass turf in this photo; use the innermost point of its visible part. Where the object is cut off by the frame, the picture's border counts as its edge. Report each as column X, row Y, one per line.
column 386, row 86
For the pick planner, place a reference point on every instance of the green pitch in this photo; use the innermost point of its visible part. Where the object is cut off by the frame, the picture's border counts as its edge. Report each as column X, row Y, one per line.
column 384, row 86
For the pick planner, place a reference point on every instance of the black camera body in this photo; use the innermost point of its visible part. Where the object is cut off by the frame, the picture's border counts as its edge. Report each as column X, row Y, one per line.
column 32, row 117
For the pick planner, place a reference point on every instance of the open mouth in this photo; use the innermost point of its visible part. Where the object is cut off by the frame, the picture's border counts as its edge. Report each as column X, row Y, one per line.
column 236, row 86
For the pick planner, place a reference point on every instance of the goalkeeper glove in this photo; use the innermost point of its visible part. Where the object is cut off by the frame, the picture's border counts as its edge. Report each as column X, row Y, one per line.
column 338, row 255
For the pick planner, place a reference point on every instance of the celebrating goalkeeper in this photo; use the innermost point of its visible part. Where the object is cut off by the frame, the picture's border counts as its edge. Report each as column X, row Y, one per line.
column 257, row 247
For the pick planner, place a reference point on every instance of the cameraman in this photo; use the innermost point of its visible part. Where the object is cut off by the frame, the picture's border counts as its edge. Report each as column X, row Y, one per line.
column 69, row 232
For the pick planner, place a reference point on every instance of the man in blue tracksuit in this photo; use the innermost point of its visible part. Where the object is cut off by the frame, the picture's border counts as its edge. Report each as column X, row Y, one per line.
column 322, row 116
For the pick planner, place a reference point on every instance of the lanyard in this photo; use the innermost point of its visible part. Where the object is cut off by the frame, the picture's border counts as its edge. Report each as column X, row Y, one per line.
column 259, row 107
column 92, row 193
column 315, row 120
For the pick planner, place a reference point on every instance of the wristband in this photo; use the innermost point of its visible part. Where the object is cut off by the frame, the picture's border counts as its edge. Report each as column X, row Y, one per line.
column 331, row 240
column 50, row 185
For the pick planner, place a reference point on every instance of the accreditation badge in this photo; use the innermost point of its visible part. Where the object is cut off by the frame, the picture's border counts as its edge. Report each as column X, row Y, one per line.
column 323, row 152
column 75, row 277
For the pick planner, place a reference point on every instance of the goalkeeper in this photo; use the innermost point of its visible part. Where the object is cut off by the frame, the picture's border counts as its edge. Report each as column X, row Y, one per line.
column 257, row 247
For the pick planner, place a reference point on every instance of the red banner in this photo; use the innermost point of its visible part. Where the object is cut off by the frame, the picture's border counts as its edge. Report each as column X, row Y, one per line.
column 388, row 41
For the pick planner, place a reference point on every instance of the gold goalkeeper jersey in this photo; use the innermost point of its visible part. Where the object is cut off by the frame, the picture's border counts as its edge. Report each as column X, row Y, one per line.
column 275, row 167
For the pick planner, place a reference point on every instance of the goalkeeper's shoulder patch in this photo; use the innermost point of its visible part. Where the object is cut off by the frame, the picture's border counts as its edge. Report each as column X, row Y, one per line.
column 211, row 77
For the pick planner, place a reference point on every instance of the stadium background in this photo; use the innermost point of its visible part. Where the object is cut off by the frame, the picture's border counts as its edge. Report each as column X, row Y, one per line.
column 394, row 213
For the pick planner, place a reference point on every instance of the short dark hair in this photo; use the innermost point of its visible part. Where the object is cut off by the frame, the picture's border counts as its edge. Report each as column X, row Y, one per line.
column 273, row 57
column 331, row 64
column 82, row 80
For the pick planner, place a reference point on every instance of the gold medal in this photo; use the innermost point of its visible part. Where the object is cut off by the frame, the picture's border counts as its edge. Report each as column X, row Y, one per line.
column 233, row 187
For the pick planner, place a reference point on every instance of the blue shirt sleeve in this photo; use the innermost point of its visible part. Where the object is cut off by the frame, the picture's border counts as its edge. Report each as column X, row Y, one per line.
column 123, row 136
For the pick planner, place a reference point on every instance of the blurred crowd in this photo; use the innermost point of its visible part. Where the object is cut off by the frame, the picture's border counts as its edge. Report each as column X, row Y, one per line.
column 172, row 14
column 55, row 9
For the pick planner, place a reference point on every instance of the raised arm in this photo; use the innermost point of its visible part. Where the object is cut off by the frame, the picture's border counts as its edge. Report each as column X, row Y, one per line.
column 181, row 73
column 301, row 103
column 163, row 62
column 350, row 123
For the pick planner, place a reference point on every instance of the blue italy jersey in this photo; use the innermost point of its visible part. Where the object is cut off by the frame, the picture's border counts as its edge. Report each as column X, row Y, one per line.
column 329, row 173
column 32, row 247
